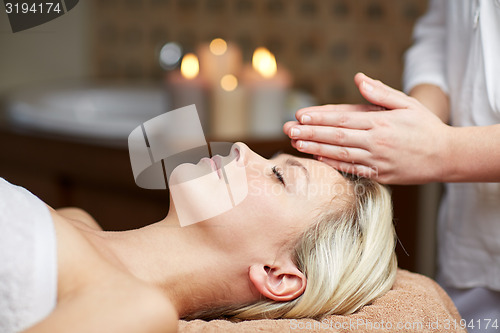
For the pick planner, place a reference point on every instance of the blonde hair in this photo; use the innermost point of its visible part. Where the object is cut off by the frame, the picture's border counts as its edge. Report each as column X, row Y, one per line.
column 347, row 256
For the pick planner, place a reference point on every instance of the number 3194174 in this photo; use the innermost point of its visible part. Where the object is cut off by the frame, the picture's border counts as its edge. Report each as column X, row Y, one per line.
column 35, row 8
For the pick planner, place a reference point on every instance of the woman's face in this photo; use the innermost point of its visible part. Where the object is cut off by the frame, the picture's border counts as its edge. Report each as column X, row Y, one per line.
column 262, row 202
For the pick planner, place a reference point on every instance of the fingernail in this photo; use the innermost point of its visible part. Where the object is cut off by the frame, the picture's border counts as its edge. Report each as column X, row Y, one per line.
column 367, row 86
column 295, row 132
column 305, row 119
column 301, row 144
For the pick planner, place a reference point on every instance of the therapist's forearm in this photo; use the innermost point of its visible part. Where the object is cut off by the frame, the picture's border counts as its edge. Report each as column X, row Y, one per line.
column 472, row 155
column 434, row 99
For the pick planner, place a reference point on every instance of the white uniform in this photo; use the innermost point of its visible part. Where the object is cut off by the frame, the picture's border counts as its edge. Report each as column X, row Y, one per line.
column 457, row 47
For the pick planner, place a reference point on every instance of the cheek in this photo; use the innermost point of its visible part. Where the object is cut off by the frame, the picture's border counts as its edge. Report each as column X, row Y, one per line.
column 267, row 205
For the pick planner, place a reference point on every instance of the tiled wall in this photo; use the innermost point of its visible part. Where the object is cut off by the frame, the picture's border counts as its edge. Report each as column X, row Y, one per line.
column 323, row 42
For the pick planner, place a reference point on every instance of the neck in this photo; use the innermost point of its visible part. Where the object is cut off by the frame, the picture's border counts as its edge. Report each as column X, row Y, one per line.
column 182, row 262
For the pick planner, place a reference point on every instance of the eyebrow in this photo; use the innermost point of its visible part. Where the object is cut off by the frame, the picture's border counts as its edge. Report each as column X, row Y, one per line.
column 296, row 163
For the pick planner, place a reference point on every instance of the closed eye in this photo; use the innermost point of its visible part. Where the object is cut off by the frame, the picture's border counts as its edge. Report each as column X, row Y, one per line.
column 279, row 174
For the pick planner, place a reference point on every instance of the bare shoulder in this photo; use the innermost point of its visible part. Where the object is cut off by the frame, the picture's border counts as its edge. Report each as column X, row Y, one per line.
column 132, row 305
column 79, row 217
column 114, row 304
column 99, row 296
column 155, row 309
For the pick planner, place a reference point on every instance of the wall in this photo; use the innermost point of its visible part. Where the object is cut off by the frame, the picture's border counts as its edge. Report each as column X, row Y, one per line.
column 323, row 42
column 58, row 49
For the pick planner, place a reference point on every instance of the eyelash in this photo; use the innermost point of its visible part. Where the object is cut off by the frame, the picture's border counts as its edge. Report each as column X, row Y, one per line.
column 279, row 174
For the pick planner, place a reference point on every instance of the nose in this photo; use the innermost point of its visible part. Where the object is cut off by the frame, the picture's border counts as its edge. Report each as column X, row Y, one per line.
column 240, row 151
column 245, row 156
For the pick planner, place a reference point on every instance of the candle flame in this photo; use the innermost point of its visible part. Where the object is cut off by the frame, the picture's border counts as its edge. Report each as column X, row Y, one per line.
column 218, row 46
column 229, row 82
column 190, row 67
column 264, row 62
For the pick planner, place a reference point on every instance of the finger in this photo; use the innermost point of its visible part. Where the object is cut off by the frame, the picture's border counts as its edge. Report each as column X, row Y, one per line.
column 344, row 154
column 338, row 108
column 378, row 93
column 288, row 125
column 332, row 135
column 353, row 169
column 353, row 120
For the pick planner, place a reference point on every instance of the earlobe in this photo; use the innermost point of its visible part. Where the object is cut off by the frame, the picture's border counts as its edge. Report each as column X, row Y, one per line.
column 281, row 284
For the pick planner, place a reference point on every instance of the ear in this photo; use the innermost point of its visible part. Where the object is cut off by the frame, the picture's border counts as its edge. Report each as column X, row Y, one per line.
column 279, row 282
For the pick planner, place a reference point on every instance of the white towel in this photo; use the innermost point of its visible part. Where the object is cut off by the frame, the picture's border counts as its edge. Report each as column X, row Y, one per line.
column 28, row 259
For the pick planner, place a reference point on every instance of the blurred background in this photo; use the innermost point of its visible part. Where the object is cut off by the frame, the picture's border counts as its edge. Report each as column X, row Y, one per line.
column 73, row 88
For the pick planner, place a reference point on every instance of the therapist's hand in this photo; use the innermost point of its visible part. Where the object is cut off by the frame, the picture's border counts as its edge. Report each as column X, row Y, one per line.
column 405, row 144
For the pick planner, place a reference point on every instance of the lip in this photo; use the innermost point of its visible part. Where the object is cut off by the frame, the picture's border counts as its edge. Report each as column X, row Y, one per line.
column 215, row 164
column 217, row 161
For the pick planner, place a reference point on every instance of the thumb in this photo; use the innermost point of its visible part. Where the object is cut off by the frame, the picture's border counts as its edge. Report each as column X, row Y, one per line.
column 378, row 93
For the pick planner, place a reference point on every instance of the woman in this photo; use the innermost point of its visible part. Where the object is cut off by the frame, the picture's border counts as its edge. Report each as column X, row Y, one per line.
column 305, row 242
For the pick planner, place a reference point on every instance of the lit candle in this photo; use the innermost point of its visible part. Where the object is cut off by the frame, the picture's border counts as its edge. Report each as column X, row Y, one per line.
column 187, row 87
column 217, row 59
column 268, row 89
column 229, row 121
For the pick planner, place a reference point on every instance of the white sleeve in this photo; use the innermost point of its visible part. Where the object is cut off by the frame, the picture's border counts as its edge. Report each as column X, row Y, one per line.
column 425, row 60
